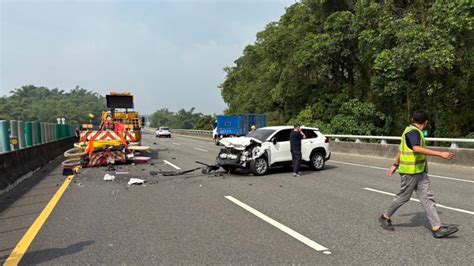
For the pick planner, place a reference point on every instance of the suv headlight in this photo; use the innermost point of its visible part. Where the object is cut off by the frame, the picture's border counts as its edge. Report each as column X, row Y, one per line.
column 232, row 156
column 223, row 156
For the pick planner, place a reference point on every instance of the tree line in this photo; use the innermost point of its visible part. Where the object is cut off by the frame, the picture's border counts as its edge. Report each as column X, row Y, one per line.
column 182, row 119
column 30, row 103
column 360, row 67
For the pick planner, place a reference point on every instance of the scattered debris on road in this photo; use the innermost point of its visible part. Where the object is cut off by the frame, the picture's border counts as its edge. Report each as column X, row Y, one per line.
column 136, row 181
column 209, row 168
column 108, row 177
column 121, row 173
column 140, row 159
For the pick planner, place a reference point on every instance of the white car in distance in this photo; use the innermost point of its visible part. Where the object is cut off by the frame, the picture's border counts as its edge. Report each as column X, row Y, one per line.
column 163, row 132
column 270, row 146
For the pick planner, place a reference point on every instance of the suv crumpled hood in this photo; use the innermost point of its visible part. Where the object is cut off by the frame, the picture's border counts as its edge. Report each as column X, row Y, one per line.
column 239, row 143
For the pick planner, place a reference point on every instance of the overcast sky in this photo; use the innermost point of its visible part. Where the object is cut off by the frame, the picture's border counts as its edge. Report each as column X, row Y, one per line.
column 168, row 53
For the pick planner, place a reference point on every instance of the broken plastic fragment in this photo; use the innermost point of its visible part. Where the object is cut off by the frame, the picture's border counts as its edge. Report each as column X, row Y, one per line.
column 108, row 177
column 121, row 173
column 141, row 159
column 136, row 181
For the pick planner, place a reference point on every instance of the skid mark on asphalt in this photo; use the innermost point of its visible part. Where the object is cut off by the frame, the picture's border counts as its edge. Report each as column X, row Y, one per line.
column 310, row 243
column 174, row 166
column 381, row 168
column 417, row 200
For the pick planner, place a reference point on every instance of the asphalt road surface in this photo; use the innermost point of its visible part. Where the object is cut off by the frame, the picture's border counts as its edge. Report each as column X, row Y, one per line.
column 325, row 217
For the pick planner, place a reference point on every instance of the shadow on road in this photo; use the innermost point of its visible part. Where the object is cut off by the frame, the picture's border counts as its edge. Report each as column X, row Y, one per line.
column 45, row 255
column 9, row 198
column 19, row 215
column 418, row 219
column 13, row 230
column 305, row 170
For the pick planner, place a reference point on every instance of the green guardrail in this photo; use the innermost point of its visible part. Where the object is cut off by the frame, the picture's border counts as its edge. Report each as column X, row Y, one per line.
column 16, row 135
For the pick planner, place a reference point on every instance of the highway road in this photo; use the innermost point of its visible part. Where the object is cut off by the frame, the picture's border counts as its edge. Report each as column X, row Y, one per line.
column 326, row 217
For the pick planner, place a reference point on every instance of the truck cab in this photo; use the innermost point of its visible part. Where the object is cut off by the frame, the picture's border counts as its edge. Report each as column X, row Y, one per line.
column 121, row 111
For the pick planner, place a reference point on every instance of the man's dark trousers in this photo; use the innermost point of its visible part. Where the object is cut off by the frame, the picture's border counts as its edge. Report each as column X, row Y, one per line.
column 296, row 157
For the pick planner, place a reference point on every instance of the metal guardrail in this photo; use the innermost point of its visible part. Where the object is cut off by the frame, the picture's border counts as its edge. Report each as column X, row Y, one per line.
column 357, row 138
column 193, row 131
column 186, row 131
column 383, row 139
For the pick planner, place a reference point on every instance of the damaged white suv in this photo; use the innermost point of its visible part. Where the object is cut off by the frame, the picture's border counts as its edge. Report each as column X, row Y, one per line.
column 270, row 146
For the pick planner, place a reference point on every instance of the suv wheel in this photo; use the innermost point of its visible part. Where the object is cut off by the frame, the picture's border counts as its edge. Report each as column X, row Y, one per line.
column 316, row 161
column 259, row 166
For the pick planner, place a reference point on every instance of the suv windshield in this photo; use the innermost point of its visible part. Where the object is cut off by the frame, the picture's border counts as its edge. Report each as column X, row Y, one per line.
column 261, row 134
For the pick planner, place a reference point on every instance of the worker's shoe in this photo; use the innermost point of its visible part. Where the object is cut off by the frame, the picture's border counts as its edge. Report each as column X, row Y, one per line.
column 386, row 223
column 296, row 174
column 445, row 231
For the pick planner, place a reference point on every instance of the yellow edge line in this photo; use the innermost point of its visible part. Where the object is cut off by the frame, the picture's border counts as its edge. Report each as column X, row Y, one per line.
column 22, row 246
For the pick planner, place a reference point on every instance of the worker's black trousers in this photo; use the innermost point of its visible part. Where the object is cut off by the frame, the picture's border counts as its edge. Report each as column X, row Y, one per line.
column 296, row 157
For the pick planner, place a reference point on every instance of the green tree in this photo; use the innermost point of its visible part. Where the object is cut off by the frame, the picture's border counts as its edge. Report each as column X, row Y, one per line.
column 31, row 103
column 181, row 120
column 345, row 64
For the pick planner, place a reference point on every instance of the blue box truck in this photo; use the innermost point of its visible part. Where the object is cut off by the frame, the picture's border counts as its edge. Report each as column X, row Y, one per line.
column 238, row 125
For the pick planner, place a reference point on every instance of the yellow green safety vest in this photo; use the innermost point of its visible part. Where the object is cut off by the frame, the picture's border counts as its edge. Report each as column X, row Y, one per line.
column 412, row 163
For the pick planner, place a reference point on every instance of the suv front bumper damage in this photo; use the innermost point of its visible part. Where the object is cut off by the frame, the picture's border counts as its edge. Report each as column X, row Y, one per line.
column 238, row 158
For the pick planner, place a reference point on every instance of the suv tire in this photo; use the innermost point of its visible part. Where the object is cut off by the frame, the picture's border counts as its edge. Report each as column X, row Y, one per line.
column 316, row 162
column 259, row 166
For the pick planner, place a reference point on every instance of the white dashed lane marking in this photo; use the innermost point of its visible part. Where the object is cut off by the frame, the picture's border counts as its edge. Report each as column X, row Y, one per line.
column 381, row 168
column 310, row 243
column 174, row 166
column 417, row 200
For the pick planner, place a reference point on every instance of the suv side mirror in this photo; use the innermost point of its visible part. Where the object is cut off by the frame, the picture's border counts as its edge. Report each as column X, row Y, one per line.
column 274, row 141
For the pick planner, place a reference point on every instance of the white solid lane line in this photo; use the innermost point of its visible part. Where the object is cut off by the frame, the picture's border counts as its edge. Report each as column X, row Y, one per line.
column 381, row 168
column 176, row 144
column 168, row 163
column 417, row 200
column 201, row 150
column 310, row 243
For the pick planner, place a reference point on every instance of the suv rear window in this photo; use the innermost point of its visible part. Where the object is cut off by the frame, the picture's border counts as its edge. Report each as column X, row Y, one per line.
column 164, row 128
column 310, row 134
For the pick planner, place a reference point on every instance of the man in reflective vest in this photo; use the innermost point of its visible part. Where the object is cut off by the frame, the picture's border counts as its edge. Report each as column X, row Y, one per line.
column 412, row 165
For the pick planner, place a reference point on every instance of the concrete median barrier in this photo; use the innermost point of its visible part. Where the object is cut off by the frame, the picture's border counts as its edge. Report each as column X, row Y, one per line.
column 463, row 157
column 15, row 164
